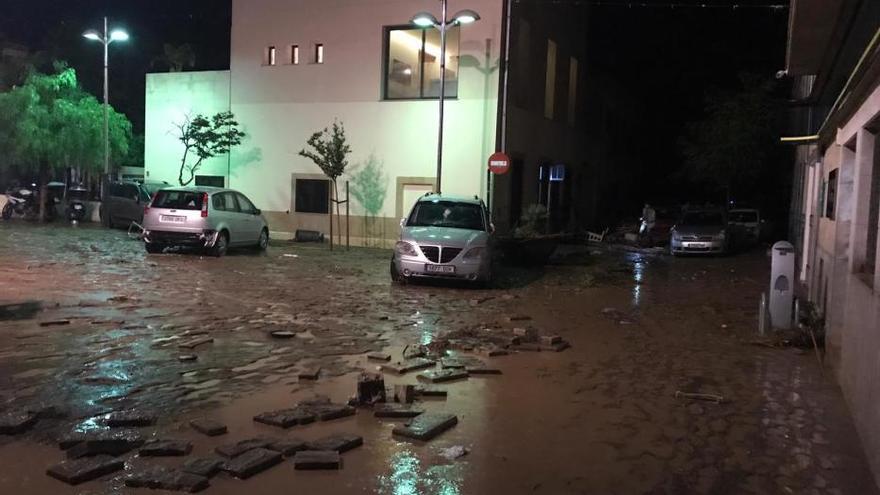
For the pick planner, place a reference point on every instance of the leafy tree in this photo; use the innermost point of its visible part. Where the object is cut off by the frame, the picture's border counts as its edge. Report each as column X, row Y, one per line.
column 176, row 58
column 732, row 146
column 205, row 138
column 329, row 150
column 369, row 187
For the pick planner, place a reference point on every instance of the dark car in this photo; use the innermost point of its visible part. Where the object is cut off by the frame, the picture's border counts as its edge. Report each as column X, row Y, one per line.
column 125, row 202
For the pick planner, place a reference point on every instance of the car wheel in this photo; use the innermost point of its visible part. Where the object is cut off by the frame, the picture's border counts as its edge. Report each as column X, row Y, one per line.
column 7, row 211
column 396, row 277
column 263, row 242
column 153, row 248
column 220, row 245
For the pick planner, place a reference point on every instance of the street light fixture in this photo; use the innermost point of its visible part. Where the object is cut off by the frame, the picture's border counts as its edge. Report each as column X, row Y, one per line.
column 427, row 20
column 115, row 35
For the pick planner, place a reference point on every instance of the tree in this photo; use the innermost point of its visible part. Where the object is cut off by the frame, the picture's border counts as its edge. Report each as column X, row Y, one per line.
column 176, row 58
column 369, row 186
column 205, row 138
column 329, row 150
column 730, row 148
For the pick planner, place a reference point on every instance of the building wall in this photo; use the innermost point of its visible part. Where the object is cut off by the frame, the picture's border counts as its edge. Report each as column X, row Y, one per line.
column 280, row 106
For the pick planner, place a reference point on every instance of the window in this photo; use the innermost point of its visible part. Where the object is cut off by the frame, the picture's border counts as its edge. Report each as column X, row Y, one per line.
column 312, row 196
column 572, row 90
column 294, row 54
column 832, row 194
column 319, row 53
column 270, row 56
column 224, row 202
column 447, row 214
column 245, row 204
column 412, row 63
column 210, row 180
column 179, row 200
column 550, row 81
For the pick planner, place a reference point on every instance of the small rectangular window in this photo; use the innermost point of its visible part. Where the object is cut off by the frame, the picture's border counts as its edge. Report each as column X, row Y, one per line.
column 550, row 80
column 572, row 90
column 312, row 196
column 294, row 54
column 319, row 53
column 211, row 180
column 270, row 56
column 832, row 194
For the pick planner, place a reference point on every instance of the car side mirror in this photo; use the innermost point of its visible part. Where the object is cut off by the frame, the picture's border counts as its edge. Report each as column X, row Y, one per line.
column 257, row 212
column 402, row 222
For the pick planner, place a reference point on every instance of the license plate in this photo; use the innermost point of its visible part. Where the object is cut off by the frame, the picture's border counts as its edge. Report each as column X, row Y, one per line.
column 172, row 219
column 440, row 268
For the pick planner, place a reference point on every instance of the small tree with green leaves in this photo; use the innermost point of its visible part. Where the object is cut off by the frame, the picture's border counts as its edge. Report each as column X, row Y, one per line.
column 369, row 185
column 205, row 138
column 329, row 150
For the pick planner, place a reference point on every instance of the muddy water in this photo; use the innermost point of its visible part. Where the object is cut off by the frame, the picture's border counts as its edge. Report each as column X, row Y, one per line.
column 601, row 417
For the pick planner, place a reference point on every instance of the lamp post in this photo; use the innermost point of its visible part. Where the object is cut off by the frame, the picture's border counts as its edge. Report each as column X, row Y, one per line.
column 105, row 39
column 427, row 20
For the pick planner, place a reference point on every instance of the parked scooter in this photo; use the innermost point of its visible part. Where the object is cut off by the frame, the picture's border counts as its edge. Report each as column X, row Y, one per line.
column 21, row 201
column 76, row 203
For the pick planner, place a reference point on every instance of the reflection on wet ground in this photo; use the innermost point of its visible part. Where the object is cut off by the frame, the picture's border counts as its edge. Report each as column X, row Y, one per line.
column 601, row 417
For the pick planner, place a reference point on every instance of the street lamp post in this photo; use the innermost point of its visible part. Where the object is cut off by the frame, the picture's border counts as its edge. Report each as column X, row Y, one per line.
column 426, row 20
column 105, row 39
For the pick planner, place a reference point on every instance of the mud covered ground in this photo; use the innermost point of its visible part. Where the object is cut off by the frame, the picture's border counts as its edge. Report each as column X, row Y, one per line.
column 600, row 417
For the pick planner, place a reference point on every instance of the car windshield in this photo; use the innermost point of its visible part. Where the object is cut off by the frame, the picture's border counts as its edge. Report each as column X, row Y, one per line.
column 744, row 216
column 447, row 214
column 702, row 218
column 179, row 200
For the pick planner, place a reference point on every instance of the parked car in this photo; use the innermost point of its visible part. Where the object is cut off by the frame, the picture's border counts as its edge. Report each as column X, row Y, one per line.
column 211, row 218
column 445, row 237
column 700, row 231
column 125, row 200
column 747, row 224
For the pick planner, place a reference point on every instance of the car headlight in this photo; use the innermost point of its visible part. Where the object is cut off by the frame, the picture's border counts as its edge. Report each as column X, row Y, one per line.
column 474, row 253
column 405, row 248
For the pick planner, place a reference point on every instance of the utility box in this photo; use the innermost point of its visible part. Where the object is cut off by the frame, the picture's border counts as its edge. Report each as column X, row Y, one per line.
column 782, row 285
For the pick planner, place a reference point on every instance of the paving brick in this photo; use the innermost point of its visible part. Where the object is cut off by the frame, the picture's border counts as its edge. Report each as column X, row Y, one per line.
column 379, row 356
column 185, row 358
column 548, row 340
column 392, row 410
column 426, row 426
column 283, row 334
column 79, row 471
column 208, row 427
column 334, row 411
column 13, row 423
column 370, row 388
column 404, row 393
column 203, row 466
column 163, row 478
column 441, row 376
column 309, row 373
column 236, row 449
column 337, row 443
column 113, row 442
column 428, row 391
column 286, row 418
column 192, row 344
column 557, row 347
column 317, row 459
column 165, row 448
column 129, row 418
column 402, row 367
column 252, row 462
column 482, row 370
column 287, row 446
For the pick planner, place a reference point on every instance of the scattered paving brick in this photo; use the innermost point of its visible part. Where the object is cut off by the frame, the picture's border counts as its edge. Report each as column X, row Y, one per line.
column 518, row 318
column 557, row 347
column 192, row 344
column 441, row 376
column 548, row 340
column 527, row 346
column 482, row 370
column 428, row 391
column 426, row 426
column 337, row 443
column 208, row 427
column 163, row 478
column 309, row 374
column 116, row 442
column 334, row 411
column 287, row 446
column 452, row 362
column 392, row 410
column 370, row 388
column 54, row 323
column 413, row 352
column 203, row 466
column 129, row 418
column 497, row 351
column 317, row 459
column 286, row 418
column 48, row 411
column 283, row 334
column 15, row 422
column 409, row 365
column 379, row 356
column 236, row 449
column 184, row 358
column 404, row 393
column 252, row 462
column 79, row 471
column 165, row 448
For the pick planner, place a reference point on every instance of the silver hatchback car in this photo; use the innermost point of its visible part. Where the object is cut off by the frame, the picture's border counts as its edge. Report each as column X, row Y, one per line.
column 205, row 217
column 446, row 237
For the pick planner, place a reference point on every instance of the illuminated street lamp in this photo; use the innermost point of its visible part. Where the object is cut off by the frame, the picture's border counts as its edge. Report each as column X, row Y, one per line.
column 105, row 39
column 427, row 20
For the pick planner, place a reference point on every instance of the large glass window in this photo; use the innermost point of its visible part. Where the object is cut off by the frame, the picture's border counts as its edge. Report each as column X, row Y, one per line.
column 312, row 196
column 412, row 63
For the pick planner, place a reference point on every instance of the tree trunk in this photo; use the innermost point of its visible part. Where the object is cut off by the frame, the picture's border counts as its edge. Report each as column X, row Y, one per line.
column 338, row 219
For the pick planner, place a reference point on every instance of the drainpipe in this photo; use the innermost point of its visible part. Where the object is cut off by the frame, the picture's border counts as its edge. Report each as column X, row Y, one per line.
column 501, row 125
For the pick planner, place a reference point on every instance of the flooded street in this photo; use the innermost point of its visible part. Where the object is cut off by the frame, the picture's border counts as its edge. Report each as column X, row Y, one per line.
column 116, row 330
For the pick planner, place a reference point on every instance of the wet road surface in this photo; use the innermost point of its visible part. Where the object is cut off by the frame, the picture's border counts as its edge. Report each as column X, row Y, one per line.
column 600, row 417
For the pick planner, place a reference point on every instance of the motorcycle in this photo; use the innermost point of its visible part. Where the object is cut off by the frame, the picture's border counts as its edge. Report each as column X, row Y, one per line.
column 21, row 201
column 76, row 203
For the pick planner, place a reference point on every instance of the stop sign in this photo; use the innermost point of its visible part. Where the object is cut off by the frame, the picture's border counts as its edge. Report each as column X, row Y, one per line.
column 499, row 163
